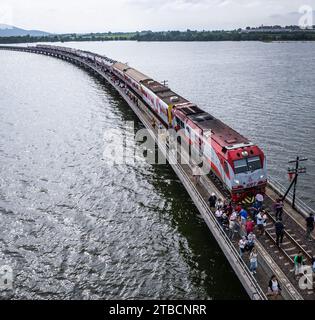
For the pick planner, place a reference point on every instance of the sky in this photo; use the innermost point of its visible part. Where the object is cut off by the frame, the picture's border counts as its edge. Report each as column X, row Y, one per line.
column 63, row 16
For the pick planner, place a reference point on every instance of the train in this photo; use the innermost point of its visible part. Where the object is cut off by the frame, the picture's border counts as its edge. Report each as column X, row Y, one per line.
column 235, row 161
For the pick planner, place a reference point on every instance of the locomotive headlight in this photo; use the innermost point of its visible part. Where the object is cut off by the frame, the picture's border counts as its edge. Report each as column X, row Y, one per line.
column 262, row 176
column 237, row 181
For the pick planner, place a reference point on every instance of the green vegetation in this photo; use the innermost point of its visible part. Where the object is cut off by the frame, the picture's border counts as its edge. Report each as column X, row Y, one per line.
column 256, row 34
column 70, row 37
column 235, row 35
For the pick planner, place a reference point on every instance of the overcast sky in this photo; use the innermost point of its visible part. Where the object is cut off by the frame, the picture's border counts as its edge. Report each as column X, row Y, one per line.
column 62, row 16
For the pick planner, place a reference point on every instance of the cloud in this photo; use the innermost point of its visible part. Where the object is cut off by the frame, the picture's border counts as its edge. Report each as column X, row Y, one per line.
column 175, row 4
column 130, row 15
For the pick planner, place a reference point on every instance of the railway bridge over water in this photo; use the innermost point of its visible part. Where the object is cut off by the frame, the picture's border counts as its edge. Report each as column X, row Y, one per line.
column 272, row 259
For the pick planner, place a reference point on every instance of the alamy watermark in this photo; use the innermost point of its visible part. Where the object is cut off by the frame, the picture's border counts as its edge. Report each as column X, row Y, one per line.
column 306, row 20
column 6, row 278
column 129, row 147
column 307, row 277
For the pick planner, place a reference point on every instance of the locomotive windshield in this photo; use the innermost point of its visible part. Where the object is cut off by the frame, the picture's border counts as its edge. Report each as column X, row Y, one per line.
column 249, row 164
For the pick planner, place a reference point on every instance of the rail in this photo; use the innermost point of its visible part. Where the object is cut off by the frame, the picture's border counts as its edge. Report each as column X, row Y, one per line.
column 291, row 239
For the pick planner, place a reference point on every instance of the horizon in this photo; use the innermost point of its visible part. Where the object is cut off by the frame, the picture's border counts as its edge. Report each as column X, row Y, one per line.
column 8, row 27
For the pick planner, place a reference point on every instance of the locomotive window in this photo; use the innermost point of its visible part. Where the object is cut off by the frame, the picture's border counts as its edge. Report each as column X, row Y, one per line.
column 250, row 164
column 254, row 163
column 240, row 166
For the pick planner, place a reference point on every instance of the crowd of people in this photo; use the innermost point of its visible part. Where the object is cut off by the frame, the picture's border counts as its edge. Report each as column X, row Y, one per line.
column 250, row 220
column 236, row 220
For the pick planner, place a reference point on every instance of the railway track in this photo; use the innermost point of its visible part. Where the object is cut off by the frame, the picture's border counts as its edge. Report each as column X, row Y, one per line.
column 284, row 255
column 290, row 246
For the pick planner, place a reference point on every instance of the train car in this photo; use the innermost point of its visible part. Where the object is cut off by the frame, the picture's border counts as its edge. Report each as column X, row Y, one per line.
column 235, row 161
column 129, row 75
column 96, row 58
column 157, row 96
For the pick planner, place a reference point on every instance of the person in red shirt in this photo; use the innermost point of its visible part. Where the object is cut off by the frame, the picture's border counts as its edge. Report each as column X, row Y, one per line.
column 249, row 226
column 238, row 208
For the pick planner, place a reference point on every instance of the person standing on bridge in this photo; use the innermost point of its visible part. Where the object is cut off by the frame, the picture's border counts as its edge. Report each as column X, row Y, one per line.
column 278, row 208
column 234, row 226
column 238, row 208
column 242, row 245
column 212, row 201
column 249, row 226
column 279, row 226
column 218, row 215
column 254, row 210
column 261, row 220
column 309, row 226
column 225, row 221
column 229, row 208
column 153, row 123
column 298, row 264
column 259, row 200
column 251, row 240
column 253, row 259
column 244, row 216
column 219, row 204
column 274, row 288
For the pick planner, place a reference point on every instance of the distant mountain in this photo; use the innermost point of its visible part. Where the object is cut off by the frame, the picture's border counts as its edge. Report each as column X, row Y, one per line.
column 11, row 31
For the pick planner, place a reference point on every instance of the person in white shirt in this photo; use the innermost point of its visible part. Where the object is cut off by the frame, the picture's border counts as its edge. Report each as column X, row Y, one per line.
column 233, row 216
column 242, row 245
column 219, row 214
column 219, row 204
column 253, row 259
column 261, row 222
column 274, row 288
column 251, row 239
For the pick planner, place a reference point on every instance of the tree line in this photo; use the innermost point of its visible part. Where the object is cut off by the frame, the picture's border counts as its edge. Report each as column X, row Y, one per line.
column 236, row 35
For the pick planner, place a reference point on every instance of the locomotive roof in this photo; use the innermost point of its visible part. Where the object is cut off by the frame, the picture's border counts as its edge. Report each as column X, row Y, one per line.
column 131, row 72
column 221, row 133
column 136, row 75
column 121, row 66
column 163, row 92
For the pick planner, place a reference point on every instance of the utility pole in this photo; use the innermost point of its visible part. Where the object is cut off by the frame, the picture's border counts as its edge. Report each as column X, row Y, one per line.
column 294, row 171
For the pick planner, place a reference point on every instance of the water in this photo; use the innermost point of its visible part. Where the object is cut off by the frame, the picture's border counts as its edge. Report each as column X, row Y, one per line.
column 73, row 227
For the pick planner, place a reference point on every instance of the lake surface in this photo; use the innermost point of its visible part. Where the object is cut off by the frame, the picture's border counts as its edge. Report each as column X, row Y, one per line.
column 73, row 227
